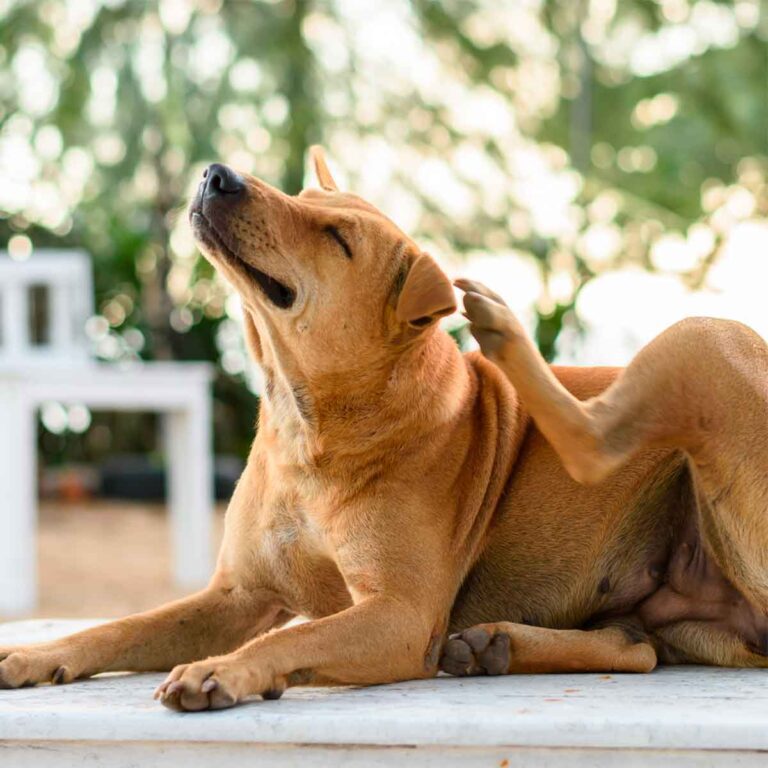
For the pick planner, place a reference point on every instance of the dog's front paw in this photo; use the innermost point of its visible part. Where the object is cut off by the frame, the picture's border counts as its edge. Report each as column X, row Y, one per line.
column 492, row 323
column 479, row 650
column 216, row 683
column 29, row 665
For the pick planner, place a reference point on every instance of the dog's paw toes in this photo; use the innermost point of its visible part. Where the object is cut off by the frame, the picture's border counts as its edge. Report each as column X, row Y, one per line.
column 478, row 650
column 191, row 688
column 486, row 314
column 15, row 671
column 492, row 323
column 457, row 658
column 473, row 286
column 22, row 667
column 211, row 684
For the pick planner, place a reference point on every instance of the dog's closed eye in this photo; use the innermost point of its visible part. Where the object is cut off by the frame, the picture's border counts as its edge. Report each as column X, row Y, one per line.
column 337, row 236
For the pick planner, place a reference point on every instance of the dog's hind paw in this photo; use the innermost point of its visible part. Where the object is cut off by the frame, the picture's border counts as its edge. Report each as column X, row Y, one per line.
column 479, row 650
column 492, row 323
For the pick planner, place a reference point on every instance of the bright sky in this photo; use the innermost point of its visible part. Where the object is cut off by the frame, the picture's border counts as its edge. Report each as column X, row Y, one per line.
column 624, row 309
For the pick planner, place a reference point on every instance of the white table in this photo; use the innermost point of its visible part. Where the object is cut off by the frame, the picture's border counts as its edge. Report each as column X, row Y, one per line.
column 180, row 391
column 673, row 717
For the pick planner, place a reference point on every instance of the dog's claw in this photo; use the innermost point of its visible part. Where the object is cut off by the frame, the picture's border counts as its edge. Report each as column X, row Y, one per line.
column 59, row 676
column 170, row 694
column 160, row 690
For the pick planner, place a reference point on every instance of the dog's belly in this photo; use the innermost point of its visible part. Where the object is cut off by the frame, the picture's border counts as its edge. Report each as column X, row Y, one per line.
column 564, row 555
column 695, row 589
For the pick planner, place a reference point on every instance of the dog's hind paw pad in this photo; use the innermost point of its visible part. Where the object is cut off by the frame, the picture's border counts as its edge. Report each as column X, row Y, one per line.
column 476, row 651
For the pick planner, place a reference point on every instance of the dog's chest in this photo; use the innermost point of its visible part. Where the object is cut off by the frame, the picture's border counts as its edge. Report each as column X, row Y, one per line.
column 301, row 559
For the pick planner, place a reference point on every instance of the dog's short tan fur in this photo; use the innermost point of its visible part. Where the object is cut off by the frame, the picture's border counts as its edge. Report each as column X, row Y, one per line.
column 398, row 492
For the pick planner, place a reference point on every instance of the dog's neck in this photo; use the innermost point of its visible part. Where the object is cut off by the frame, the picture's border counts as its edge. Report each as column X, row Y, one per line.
column 332, row 423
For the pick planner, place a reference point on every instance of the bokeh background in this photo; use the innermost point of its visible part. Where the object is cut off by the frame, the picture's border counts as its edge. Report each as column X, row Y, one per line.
column 603, row 164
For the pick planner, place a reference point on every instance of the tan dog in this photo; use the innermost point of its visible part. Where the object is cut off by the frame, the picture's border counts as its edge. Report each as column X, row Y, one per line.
column 397, row 490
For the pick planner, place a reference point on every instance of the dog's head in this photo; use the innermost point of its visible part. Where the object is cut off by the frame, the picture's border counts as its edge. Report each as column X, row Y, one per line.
column 323, row 274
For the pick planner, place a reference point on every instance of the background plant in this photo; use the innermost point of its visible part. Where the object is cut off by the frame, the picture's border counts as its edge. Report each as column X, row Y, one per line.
column 576, row 135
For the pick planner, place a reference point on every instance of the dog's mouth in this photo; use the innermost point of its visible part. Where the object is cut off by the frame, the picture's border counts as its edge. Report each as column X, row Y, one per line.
column 280, row 294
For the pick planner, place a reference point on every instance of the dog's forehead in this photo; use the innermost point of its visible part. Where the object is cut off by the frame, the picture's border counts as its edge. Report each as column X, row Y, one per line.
column 340, row 201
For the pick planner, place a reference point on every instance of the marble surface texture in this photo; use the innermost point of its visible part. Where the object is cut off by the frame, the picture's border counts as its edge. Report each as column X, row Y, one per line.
column 677, row 708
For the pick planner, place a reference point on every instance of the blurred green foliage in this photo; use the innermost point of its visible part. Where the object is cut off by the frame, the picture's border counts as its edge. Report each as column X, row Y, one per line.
column 652, row 113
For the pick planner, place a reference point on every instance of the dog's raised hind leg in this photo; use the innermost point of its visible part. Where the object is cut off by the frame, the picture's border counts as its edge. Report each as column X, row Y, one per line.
column 661, row 400
column 700, row 387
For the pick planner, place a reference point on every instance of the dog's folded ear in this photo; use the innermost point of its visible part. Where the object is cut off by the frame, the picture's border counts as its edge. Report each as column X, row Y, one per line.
column 426, row 295
column 324, row 176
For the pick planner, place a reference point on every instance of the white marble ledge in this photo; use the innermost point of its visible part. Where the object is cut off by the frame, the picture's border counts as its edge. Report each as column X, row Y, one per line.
column 682, row 709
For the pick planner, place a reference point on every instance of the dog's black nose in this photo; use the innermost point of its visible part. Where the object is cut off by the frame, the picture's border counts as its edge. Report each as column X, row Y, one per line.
column 220, row 180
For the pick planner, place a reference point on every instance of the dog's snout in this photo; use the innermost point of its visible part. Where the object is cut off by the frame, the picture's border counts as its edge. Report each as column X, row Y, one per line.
column 219, row 180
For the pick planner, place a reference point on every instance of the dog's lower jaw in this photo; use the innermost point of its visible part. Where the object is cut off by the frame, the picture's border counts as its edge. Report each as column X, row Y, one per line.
column 277, row 292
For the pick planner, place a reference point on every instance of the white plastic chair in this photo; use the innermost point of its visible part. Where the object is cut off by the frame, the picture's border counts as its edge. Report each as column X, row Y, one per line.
column 48, row 360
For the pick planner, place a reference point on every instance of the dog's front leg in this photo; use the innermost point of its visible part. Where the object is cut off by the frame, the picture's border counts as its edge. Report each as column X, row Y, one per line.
column 399, row 567
column 380, row 640
column 215, row 620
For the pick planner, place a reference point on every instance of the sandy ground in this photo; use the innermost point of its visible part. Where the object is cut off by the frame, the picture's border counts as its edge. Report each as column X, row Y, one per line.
column 105, row 558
